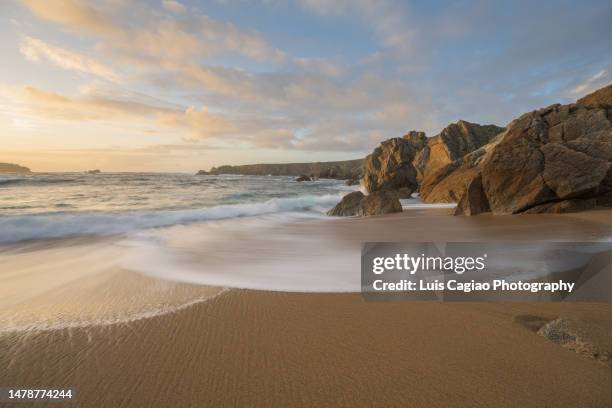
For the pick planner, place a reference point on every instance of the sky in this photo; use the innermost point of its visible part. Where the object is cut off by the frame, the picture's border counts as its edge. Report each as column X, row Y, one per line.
column 178, row 85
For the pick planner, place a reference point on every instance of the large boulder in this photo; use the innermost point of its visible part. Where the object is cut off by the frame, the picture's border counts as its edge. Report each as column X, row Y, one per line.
column 377, row 203
column 390, row 167
column 557, row 153
column 380, row 202
column 349, row 205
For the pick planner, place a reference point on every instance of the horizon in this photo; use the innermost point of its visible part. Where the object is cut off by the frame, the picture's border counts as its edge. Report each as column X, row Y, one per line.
column 180, row 86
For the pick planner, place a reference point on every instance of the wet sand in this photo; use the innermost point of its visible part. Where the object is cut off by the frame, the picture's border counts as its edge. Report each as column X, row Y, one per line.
column 262, row 349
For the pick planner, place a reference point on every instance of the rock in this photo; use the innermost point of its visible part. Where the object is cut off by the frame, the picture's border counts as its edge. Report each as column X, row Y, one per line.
column 602, row 98
column 303, row 177
column 512, row 177
column 404, row 192
column 570, row 173
column 547, row 157
column 96, row 171
column 404, row 162
column 377, row 203
column 449, row 183
column 454, row 142
column 202, row 173
column 348, row 206
column 13, row 168
column 590, row 339
column 353, row 182
column 416, row 138
column 380, row 202
column 556, row 159
column 390, row 167
column 474, row 201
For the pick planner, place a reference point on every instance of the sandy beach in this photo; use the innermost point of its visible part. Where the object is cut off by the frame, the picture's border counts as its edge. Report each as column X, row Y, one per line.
column 124, row 339
column 248, row 348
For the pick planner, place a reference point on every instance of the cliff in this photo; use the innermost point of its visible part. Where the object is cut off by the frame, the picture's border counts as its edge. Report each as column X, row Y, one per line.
column 348, row 169
column 13, row 168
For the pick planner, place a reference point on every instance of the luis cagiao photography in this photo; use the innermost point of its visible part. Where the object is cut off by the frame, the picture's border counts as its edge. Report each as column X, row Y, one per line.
column 306, row 203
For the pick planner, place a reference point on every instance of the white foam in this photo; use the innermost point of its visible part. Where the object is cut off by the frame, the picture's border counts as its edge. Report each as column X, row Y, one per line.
column 258, row 253
column 20, row 228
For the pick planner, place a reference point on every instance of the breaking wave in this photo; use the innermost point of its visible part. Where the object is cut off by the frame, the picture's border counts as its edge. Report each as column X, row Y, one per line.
column 43, row 226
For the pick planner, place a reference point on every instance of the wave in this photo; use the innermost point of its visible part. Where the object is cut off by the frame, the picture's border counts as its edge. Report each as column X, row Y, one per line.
column 33, row 181
column 59, row 225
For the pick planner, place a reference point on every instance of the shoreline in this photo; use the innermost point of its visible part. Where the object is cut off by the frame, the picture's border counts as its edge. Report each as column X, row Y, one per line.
column 172, row 343
column 46, row 281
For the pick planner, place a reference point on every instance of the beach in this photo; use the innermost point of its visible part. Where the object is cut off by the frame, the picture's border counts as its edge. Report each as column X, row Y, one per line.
column 122, row 338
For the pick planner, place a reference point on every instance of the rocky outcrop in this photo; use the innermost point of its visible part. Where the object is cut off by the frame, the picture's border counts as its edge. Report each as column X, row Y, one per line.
column 454, row 142
column 341, row 170
column 376, row 203
column 554, row 160
column 563, row 152
column 202, row 173
column 349, row 205
column 405, row 162
column 13, row 168
column 303, row 177
column 96, row 171
column 389, row 167
column 602, row 98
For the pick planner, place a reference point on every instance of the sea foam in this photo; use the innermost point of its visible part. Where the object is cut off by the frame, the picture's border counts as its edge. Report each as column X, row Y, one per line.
column 43, row 226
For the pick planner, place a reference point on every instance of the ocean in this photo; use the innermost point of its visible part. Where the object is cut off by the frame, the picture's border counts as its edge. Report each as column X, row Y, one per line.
column 57, row 205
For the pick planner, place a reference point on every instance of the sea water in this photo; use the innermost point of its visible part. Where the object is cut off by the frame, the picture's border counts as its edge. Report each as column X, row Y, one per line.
column 56, row 205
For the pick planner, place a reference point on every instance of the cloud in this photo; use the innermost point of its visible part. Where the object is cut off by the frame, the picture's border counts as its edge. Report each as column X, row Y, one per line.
column 52, row 105
column 150, row 38
column 173, row 6
column 35, row 50
column 76, row 15
column 200, row 122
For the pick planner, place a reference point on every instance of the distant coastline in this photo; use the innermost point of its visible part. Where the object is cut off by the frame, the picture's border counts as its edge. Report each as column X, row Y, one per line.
column 340, row 170
column 13, row 168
